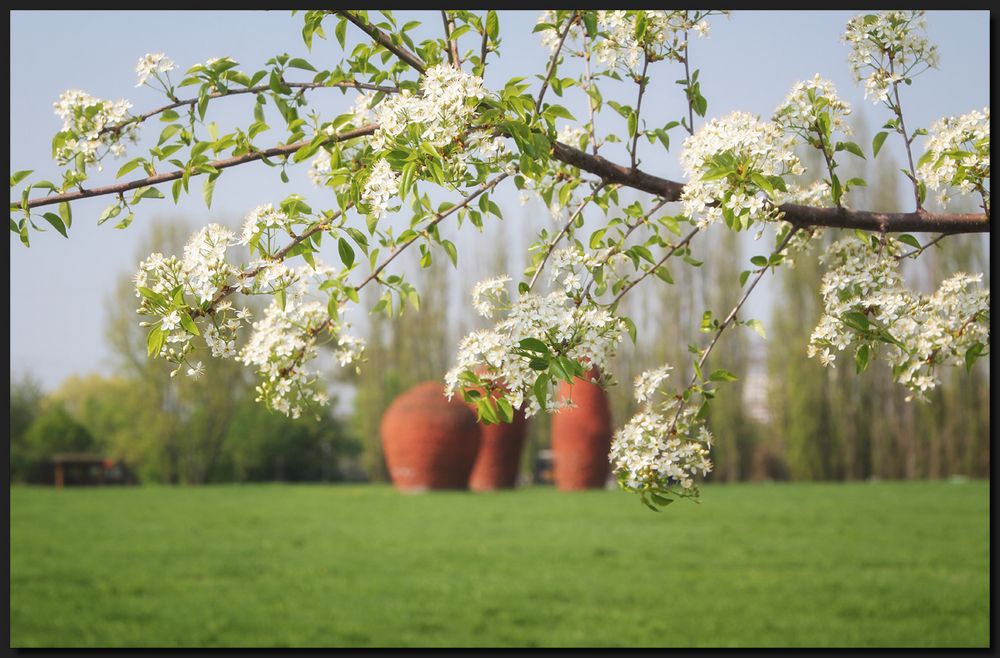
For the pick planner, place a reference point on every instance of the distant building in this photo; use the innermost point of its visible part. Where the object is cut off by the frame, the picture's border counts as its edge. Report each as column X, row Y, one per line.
column 87, row 469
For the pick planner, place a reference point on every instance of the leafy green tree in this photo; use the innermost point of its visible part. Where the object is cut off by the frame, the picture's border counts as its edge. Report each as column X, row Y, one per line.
column 54, row 431
column 26, row 397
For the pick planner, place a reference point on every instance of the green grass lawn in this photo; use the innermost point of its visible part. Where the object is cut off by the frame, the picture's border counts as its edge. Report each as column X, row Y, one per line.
column 890, row 564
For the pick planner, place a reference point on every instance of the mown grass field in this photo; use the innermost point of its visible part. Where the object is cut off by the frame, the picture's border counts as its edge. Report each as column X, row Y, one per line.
column 846, row 565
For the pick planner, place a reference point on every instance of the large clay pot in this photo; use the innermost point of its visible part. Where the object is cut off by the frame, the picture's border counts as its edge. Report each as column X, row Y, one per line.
column 499, row 457
column 429, row 442
column 581, row 436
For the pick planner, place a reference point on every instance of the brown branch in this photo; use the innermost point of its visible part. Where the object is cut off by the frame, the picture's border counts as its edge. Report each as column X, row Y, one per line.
column 800, row 216
column 119, row 188
column 383, row 40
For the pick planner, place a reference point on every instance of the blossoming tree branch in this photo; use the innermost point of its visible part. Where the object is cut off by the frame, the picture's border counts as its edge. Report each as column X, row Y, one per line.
column 422, row 121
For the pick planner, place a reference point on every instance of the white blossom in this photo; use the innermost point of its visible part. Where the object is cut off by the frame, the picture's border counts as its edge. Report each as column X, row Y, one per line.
column 381, row 186
column 90, row 123
column 152, row 64
column 737, row 141
column 868, row 307
column 958, row 154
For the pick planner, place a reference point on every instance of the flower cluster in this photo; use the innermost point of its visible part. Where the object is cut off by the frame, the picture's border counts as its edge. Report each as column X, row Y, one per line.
column 662, row 446
column 558, row 329
column 89, row 124
column 440, row 112
column 320, row 168
column 381, row 186
column 361, row 113
column 867, row 305
column 805, row 106
column 886, row 48
column 958, row 155
column 152, row 64
column 731, row 162
column 170, row 289
column 488, row 294
column 283, row 342
column 571, row 135
column 260, row 223
column 634, row 34
column 204, row 266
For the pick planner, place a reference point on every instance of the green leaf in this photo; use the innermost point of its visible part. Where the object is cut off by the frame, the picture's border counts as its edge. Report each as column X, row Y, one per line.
column 19, row 176
column 757, row 326
column 56, row 222
column 715, row 173
column 722, row 375
column 147, row 193
column 661, row 500
column 533, row 345
column 851, row 147
column 759, row 261
column 906, row 238
column 66, row 213
column 346, row 252
column 129, row 166
column 452, row 251
column 877, row 143
column 189, row 324
column 630, row 326
column 856, row 320
column 541, row 388
column 300, row 63
column 492, row 24
column 763, row 184
column 208, row 190
column 972, row 354
column 861, row 358
column 505, row 410
column 154, row 341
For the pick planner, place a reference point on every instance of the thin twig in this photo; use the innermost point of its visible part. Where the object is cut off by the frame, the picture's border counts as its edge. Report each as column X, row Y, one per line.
column 898, row 109
column 383, row 40
column 722, row 327
column 553, row 61
column 449, row 25
column 250, row 90
column 655, row 267
column 485, row 187
column 565, row 229
column 638, row 108
column 618, row 247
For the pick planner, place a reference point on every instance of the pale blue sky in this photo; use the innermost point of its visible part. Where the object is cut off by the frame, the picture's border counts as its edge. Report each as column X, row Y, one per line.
column 58, row 287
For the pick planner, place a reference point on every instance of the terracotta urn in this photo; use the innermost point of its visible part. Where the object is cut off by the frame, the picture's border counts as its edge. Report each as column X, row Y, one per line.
column 581, row 436
column 429, row 442
column 499, row 457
